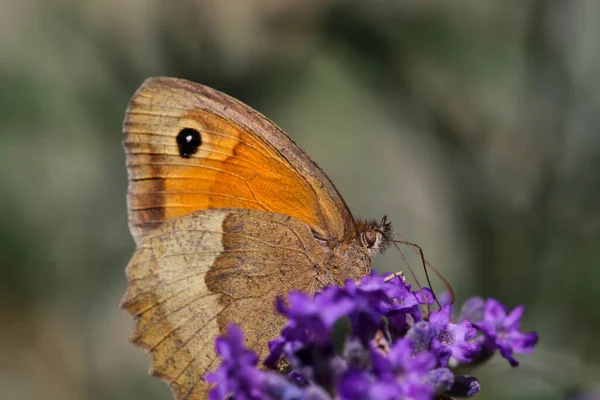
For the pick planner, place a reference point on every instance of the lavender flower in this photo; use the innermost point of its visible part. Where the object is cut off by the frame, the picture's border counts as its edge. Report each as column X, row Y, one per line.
column 501, row 331
column 392, row 349
column 405, row 370
column 237, row 373
column 452, row 339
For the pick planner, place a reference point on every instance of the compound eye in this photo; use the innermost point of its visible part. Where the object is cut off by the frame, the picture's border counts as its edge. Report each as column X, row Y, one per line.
column 370, row 237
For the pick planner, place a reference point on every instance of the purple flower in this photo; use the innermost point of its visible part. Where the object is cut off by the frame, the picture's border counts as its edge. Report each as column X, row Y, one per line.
column 472, row 310
column 452, row 339
column 421, row 333
column 391, row 351
column 370, row 303
column 393, row 299
column 356, row 354
column 361, row 385
column 402, row 359
column 464, row 386
column 279, row 387
column 238, row 376
column 356, row 384
column 501, row 331
column 309, row 326
column 407, row 370
column 441, row 379
column 314, row 316
column 237, row 373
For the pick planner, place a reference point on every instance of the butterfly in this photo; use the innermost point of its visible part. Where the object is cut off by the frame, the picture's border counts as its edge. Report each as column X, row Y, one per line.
column 227, row 213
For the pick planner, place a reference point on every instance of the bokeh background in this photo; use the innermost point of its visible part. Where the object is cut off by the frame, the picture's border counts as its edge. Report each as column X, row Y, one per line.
column 474, row 125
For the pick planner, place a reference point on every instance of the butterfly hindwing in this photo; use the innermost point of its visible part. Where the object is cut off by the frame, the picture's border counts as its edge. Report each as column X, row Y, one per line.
column 195, row 275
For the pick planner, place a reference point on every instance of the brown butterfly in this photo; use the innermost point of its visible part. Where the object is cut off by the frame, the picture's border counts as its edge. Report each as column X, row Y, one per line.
column 227, row 213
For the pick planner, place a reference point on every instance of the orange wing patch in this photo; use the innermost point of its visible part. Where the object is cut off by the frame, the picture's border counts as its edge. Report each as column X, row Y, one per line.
column 232, row 168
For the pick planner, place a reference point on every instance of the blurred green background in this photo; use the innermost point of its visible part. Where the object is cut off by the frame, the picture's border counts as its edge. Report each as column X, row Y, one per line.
column 474, row 125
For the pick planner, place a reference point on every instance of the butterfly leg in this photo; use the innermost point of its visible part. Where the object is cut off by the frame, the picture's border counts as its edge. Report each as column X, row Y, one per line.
column 399, row 274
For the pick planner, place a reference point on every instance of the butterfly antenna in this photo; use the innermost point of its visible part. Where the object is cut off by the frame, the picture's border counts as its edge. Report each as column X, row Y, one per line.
column 412, row 273
column 427, row 264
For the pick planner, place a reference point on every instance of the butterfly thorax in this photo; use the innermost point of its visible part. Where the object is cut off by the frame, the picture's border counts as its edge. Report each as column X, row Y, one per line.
column 352, row 259
column 342, row 262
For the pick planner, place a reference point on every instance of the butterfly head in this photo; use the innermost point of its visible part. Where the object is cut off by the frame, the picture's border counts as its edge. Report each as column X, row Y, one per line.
column 374, row 236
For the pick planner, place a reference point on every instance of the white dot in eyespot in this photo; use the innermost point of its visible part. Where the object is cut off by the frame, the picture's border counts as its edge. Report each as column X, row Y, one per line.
column 188, row 138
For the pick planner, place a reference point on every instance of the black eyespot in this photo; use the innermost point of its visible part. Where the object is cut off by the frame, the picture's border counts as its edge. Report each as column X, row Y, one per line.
column 188, row 141
column 370, row 237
